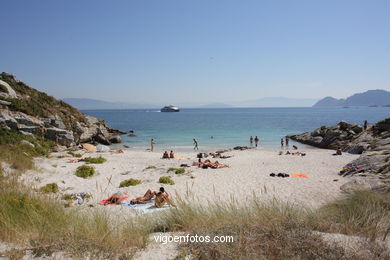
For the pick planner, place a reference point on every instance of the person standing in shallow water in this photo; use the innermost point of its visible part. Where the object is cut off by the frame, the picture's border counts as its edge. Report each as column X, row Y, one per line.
column 195, row 145
column 152, row 143
column 256, row 141
column 365, row 124
column 281, row 143
column 251, row 141
column 287, row 140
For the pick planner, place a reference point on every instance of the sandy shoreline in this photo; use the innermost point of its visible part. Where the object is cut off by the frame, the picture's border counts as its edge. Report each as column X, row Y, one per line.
column 247, row 175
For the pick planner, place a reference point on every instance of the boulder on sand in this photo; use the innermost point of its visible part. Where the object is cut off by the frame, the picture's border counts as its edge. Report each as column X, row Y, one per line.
column 90, row 148
column 102, row 148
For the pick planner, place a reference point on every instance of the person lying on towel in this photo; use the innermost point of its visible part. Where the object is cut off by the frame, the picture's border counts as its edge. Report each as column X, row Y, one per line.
column 144, row 199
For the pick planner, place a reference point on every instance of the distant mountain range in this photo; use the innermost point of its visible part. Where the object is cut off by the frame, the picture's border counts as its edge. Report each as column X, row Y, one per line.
column 86, row 103
column 376, row 97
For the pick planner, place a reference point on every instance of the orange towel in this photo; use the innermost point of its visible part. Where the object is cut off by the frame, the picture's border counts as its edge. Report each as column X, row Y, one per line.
column 299, row 175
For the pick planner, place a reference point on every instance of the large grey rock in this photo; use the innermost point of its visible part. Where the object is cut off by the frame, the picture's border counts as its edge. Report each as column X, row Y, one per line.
column 364, row 184
column 10, row 91
column 5, row 103
column 61, row 136
column 116, row 139
column 25, row 142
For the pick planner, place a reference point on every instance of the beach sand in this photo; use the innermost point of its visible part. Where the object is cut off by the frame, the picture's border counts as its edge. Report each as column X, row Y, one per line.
column 248, row 175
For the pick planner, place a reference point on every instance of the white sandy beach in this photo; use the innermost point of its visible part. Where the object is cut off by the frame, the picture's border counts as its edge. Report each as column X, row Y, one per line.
column 248, row 175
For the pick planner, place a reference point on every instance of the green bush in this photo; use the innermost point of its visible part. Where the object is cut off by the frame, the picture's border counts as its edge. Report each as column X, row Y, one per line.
column 150, row 167
column 77, row 155
column 129, row 182
column 49, row 188
column 166, row 180
column 67, row 197
column 96, row 160
column 85, row 171
column 177, row 170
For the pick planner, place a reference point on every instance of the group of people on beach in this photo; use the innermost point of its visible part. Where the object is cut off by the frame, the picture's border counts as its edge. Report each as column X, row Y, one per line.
column 171, row 155
column 256, row 139
column 161, row 198
column 282, row 142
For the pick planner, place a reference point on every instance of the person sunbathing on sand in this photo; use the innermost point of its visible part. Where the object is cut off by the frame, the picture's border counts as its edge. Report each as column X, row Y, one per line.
column 162, row 198
column 165, row 155
column 114, row 199
column 147, row 197
column 172, row 155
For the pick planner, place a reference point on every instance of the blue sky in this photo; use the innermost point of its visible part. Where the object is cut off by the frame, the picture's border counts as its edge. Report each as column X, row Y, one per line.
column 209, row 51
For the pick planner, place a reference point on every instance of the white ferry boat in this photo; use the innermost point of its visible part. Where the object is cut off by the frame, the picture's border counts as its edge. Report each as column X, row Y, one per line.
column 170, row 109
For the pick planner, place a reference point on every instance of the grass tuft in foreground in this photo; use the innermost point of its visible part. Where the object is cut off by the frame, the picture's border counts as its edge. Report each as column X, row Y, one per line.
column 95, row 160
column 85, row 171
column 129, row 182
column 166, row 180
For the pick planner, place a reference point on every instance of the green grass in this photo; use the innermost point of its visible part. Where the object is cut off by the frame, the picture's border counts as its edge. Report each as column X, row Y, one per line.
column 77, row 155
column 166, row 180
column 20, row 156
column 95, row 160
column 49, row 188
column 361, row 213
column 177, row 170
column 129, row 182
column 150, row 167
column 85, row 171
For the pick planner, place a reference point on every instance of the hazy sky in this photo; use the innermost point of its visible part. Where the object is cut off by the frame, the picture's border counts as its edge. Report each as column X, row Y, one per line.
column 213, row 51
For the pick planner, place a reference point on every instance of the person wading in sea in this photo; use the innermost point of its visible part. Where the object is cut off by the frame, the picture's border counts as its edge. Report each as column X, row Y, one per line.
column 195, row 145
column 152, row 143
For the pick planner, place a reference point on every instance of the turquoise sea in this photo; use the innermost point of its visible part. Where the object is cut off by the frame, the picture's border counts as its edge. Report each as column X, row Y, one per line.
column 228, row 127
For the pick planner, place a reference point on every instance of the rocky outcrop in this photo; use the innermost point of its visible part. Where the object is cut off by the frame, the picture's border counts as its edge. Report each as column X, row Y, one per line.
column 35, row 113
column 333, row 137
column 373, row 144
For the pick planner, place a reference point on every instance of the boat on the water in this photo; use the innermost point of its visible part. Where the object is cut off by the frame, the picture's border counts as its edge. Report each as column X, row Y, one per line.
column 170, row 108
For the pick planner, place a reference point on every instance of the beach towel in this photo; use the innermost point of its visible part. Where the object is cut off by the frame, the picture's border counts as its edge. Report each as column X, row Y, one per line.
column 128, row 203
column 142, row 209
column 122, row 199
column 299, row 175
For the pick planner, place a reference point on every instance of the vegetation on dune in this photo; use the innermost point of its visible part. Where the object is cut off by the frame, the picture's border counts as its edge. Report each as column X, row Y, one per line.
column 18, row 155
column 150, row 167
column 95, row 160
column 166, row 180
column 129, row 182
column 49, row 188
column 85, row 171
column 77, row 155
column 362, row 213
column 177, row 170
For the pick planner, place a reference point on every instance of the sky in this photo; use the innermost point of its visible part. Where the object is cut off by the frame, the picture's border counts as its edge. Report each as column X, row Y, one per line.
column 209, row 51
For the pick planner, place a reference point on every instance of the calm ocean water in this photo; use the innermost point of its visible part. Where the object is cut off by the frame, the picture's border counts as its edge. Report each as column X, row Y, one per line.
column 228, row 127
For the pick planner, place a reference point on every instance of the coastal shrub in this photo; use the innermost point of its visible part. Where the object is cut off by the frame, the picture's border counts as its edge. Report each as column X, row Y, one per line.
column 150, row 167
column 166, row 180
column 85, row 171
column 95, row 160
column 49, row 188
column 67, row 197
column 177, row 170
column 20, row 156
column 360, row 213
column 129, row 182
column 77, row 155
